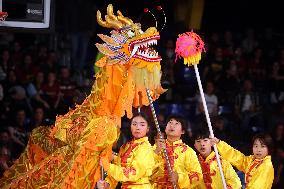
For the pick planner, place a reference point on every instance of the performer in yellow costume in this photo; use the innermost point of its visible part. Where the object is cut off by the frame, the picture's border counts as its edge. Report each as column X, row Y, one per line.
column 66, row 155
column 258, row 168
column 134, row 164
column 207, row 158
column 186, row 169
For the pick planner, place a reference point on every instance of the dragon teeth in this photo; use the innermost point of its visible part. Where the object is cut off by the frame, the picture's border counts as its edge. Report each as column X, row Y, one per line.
column 142, row 49
column 134, row 50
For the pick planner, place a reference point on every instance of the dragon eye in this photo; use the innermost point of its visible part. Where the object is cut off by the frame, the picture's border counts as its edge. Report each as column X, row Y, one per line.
column 130, row 33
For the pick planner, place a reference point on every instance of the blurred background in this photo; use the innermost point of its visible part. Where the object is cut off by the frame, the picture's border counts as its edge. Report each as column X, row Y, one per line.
column 47, row 56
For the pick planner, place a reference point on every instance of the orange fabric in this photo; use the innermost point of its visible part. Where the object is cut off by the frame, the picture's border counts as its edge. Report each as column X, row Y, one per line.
column 66, row 155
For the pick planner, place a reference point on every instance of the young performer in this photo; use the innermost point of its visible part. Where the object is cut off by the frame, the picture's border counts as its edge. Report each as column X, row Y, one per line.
column 207, row 159
column 258, row 168
column 186, row 171
column 134, row 164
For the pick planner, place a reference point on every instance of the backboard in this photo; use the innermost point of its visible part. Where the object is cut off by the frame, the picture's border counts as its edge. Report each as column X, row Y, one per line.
column 32, row 14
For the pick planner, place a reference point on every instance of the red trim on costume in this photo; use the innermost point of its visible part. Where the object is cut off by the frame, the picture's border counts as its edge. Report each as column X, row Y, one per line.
column 192, row 176
column 128, row 152
column 165, row 182
column 255, row 165
column 205, row 166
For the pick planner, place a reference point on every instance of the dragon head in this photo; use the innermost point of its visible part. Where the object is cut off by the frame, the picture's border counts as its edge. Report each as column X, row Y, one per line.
column 132, row 49
column 128, row 43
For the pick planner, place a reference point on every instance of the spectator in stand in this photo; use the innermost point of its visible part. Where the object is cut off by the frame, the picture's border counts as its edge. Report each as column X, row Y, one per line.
column 17, row 54
column 19, row 132
column 50, row 64
column 5, row 159
column 51, row 91
column 229, row 84
column 213, row 43
column 276, row 84
column 5, row 139
column 34, row 90
column 211, row 100
column 4, row 108
column 5, row 150
column 269, row 43
column 5, row 64
column 42, row 53
column 250, row 42
column 67, row 88
column 38, row 118
column 215, row 67
column 257, row 69
column 26, row 71
column 248, row 109
column 10, row 81
column 220, row 129
column 17, row 98
column 277, row 115
column 241, row 62
column 228, row 44
column 277, row 79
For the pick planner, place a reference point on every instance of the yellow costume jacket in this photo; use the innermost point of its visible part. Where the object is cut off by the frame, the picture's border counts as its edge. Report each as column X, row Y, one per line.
column 184, row 162
column 259, row 173
column 211, row 174
column 133, row 166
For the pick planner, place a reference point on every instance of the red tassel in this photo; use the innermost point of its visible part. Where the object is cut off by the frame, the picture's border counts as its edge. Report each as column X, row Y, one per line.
column 146, row 9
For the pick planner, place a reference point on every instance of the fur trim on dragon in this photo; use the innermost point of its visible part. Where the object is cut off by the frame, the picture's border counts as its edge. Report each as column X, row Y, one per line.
column 66, row 155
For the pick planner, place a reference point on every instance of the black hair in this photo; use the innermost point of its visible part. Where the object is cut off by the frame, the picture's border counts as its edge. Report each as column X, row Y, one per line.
column 265, row 139
column 201, row 133
column 178, row 118
column 145, row 117
column 140, row 114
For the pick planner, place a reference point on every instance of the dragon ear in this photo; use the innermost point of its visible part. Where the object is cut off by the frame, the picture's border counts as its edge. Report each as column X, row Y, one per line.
column 105, row 50
column 108, row 40
column 118, row 37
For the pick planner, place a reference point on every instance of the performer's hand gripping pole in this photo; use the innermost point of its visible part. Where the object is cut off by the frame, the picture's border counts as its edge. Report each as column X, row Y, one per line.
column 209, row 124
column 170, row 171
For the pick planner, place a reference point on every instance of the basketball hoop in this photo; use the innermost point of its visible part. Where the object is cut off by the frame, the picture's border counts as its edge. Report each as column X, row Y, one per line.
column 3, row 16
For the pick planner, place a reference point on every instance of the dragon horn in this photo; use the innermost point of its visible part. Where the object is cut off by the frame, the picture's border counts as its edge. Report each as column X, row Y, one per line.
column 123, row 19
column 111, row 20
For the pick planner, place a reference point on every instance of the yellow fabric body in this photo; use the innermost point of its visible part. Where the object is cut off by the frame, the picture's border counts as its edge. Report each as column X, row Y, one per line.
column 259, row 173
column 133, row 166
column 183, row 161
column 231, row 177
column 66, row 155
column 50, row 163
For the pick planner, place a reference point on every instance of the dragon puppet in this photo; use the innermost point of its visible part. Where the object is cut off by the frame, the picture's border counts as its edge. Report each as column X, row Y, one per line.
column 66, row 155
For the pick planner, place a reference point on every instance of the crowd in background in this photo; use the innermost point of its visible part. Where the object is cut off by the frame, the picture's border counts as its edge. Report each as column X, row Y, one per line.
column 242, row 75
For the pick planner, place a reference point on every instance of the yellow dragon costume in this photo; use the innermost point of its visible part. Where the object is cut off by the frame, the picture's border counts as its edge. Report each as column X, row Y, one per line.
column 67, row 154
